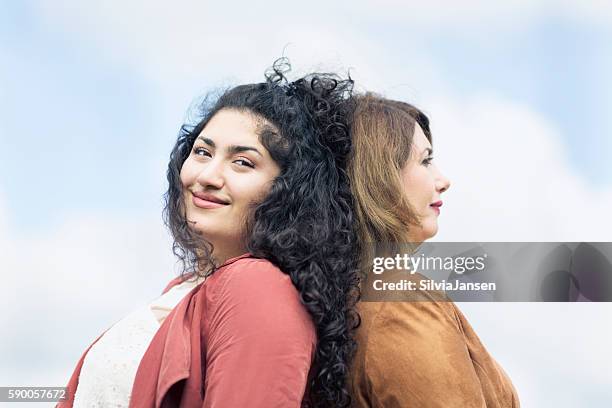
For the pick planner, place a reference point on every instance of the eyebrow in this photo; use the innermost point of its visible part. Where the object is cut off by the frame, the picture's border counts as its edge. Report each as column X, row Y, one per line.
column 232, row 149
column 429, row 151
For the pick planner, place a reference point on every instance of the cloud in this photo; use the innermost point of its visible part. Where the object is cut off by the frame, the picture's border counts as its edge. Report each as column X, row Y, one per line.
column 557, row 354
column 510, row 173
column 479, row 15
column 193, row 45
column 193, row 36
column 190, row 48
column 193, row 39
column 510, row 182
column 62, row 287
column 511, row 177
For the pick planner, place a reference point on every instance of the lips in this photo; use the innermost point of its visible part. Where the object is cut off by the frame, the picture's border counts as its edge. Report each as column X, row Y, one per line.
column 436, row 206
column 210, row 197
column 208, row 201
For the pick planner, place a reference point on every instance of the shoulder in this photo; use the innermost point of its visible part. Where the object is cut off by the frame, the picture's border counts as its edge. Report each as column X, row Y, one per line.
column 254, row 275
column 257, row 283
column 176, row 281
column 249, row 266
column 421, row 332
column 254, row 291
column 416, row 351
column 432, row 314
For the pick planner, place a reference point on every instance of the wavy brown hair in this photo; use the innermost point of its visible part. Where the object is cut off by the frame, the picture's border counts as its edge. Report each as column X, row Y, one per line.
column 382, row 132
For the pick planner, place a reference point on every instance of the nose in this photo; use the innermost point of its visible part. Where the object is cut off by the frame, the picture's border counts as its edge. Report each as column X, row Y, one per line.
column 211, row 175
column 442, row 183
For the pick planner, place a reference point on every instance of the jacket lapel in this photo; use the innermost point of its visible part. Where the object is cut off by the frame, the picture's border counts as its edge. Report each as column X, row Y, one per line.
column 173, row 355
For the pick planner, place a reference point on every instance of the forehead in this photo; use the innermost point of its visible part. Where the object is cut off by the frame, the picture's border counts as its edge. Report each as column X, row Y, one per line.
column 232, row 127
column 419, row 140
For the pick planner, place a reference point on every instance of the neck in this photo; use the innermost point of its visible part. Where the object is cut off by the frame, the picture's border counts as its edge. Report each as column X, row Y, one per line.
column 224, row 251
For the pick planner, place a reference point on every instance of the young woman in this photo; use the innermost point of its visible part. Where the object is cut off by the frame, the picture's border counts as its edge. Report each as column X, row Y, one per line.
column 410, row 354
column 261, row 218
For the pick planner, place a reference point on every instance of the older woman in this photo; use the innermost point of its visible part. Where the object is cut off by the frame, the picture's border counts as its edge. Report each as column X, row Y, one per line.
column 415, row 353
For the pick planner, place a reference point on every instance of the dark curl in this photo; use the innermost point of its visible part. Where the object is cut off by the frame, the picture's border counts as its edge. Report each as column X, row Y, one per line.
column 305, row 225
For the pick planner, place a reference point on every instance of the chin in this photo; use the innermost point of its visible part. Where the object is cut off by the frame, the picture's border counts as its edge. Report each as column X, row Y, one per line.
column 206, row 228
column 200, row 225
column 430, row 229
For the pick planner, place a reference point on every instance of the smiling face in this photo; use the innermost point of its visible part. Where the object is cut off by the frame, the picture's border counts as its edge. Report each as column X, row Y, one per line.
column 423, row 185
column 226, row 173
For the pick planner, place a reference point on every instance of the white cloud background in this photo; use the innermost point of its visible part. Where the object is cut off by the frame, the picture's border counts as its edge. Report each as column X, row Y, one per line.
column 511, row 175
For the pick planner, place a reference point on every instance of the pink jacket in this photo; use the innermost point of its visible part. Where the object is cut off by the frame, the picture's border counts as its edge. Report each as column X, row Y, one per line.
column 240, row 339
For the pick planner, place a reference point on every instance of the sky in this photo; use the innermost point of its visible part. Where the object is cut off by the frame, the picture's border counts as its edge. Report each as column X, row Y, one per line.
column 92, row 95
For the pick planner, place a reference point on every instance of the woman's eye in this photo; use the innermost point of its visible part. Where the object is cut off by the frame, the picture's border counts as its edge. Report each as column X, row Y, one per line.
column 246, row 163
column 428, row 161
column 200, row 151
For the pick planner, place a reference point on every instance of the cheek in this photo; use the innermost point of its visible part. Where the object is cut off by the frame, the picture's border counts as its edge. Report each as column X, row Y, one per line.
column 417, row 186
column 251, row 194
column 250, row 191
column 426, row 187
column 187, row 174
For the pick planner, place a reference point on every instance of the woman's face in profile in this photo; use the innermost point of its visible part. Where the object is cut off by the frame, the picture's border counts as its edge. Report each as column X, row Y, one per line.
column 423, row 184
column 226, row 172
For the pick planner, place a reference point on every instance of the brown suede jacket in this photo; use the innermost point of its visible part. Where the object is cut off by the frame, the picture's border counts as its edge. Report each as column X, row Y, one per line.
column 424, row 354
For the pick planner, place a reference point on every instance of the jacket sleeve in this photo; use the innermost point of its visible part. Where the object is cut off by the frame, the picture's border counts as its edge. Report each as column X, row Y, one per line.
column 260, row 340
column 417, row 357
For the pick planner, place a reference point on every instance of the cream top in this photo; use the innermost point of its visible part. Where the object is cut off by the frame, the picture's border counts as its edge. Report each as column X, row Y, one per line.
column 110, row 366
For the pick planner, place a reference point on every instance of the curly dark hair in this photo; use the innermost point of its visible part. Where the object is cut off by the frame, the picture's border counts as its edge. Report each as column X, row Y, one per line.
column 305, row 225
